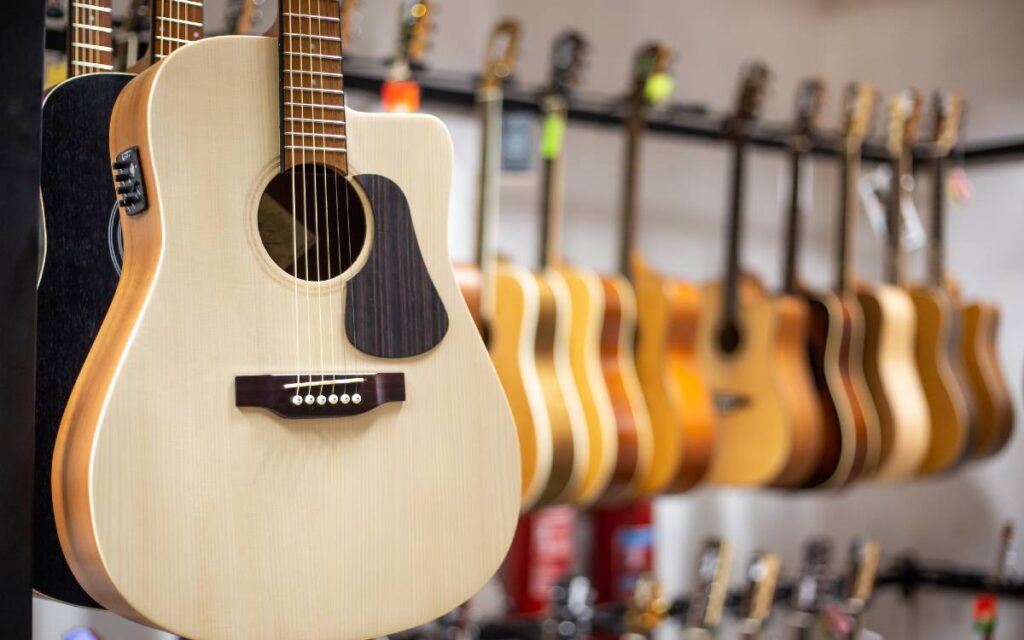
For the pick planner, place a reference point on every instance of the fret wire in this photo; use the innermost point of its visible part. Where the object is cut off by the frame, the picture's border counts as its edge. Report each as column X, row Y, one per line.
column 331, row 136
column 91, row 47
column 331, row 123
column 314, row 105
column 294, row 147
column 303, row 16
column 90, row 27
column 92, row 7
column 324, row 74
column 180, row 21
column 321, row 56
column 333, row 92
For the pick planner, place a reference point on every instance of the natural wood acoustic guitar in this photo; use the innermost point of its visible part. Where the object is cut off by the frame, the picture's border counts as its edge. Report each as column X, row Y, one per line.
column 586, row 295
column 503, row 297
column 679, row 402
column 846, row 442
column 752, row 349
column 83, row 249
column 939, row 330
column 242, row 412
column 890, row 323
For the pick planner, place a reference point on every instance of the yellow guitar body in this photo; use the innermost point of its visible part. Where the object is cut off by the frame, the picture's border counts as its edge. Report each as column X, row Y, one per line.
column 513, row 335
column 947, row 407
column 182, row 509
column 890, row 370
column 586, row 298
column 754, row 442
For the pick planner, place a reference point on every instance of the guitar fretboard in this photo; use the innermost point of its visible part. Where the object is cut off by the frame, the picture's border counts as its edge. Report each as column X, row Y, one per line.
column 91, row 42
column 312, row 85
column 175, row 24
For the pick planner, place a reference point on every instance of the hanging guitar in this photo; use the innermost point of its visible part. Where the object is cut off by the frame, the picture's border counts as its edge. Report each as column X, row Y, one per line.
column 752, row 349
column 680, row 404
column 83, row 243
column 707, row 600
column 400, row 92
column 244, row 418
column 759, row 599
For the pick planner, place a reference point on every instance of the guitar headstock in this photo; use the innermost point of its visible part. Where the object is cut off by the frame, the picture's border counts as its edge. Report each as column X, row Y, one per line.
column 812, row 587
column 502, row 53
column 753, row 88
column 810, row 98
column 865, row 556
column 651, row 82
column 647, row 607
column 708, row 600
column 570, row 610
column 416, row 24
column 904, row 121
column 568, row 59
column 762, row 580
column 949, row 111
column 859, row 102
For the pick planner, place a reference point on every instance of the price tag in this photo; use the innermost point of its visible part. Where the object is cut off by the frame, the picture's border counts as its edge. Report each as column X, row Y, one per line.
column 517, row 142
column 401, row 96
column 552, row 136
column 659, row 88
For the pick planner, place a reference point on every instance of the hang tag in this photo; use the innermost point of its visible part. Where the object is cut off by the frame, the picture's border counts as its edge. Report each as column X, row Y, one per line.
column 659, row 88
column 517, row 142
column 552, row 136
column 874, row 193
column 958, row 186
column 868, row 635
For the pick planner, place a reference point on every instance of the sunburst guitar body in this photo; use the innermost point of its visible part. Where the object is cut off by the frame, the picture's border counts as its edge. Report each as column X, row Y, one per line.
column 193, row 492
column 668, row 364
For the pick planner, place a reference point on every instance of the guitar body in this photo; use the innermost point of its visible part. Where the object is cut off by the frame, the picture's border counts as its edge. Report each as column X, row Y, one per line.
column 79, row 274
column 851, row 365
column 513, row 338
column 795, row 385
column 981, row 360
column 565, row 412
column 681, row 410
column 754, row 443
column 176, row 507
column 586, row 297
column 632, row 421
column 947, row 407
column 890, row 370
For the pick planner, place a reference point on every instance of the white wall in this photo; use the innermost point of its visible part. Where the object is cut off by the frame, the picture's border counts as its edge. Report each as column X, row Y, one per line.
column 974, row 47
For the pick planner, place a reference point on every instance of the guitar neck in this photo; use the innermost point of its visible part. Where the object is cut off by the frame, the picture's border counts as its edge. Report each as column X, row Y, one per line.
column 631, row 189
column 937, row 241
column 312, row 85
column 893, row 221
column 735, row 237
column 490, row 101
column 175, row 24
column 850, row 169
column 91, row 44
column 553, row 194
column 794, row 220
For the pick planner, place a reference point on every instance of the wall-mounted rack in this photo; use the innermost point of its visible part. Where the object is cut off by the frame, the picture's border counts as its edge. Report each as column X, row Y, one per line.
column 690, row 120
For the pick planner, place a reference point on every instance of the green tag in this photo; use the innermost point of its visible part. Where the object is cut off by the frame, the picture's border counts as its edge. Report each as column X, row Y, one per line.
column 552, row 136
column 659, row 88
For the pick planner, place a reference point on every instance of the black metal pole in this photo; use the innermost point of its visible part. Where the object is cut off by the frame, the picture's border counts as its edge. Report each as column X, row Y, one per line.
column 21, row 32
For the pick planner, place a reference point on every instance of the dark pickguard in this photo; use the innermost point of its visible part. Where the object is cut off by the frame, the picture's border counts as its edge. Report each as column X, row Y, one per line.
column 78, row 282
column 392, row 307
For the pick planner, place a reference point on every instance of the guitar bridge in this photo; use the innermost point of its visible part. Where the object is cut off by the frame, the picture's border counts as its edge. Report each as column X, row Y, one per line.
column 319, row 395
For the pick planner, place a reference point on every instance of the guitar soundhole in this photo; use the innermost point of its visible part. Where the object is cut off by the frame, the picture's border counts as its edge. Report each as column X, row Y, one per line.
column 729, row 337
column 311, row 222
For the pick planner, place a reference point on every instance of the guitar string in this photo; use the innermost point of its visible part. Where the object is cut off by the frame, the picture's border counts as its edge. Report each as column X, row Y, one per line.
column 327, row 218
column 347, row 191
column 305, row 203
column 285, row 63
column 316, row 196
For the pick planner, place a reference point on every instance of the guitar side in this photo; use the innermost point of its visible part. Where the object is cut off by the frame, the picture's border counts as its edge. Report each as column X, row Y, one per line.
column 981, row 360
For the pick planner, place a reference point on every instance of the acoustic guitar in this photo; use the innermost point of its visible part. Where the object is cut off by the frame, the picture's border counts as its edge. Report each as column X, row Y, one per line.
column 865, row 556
column 890, row 323
column 752, row 349
column 83, row 249
column 759, row 599
column 237, row 420
column 845, row 445
column 504, row 297
column 708, row 598
column 679, row 402
column 586, row 296
column 401, row 92
column 939, row 324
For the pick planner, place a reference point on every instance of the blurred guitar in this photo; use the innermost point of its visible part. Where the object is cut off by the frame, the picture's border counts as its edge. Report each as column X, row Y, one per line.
column 759, row 599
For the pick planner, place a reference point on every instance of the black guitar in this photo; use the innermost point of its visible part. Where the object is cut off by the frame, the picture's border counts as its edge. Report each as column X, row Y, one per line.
column 82, row 245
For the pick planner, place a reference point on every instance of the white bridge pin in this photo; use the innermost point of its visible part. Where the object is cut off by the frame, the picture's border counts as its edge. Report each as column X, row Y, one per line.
column 310, row 399
column 321, row 400
column 345, row 398
column 333, row 398
column 296, row 400
column 356, row 398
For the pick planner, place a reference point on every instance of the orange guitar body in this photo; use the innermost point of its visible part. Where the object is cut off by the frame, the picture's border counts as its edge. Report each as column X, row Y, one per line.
column 679, row 402
column 632, row 421
column 992, row 396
